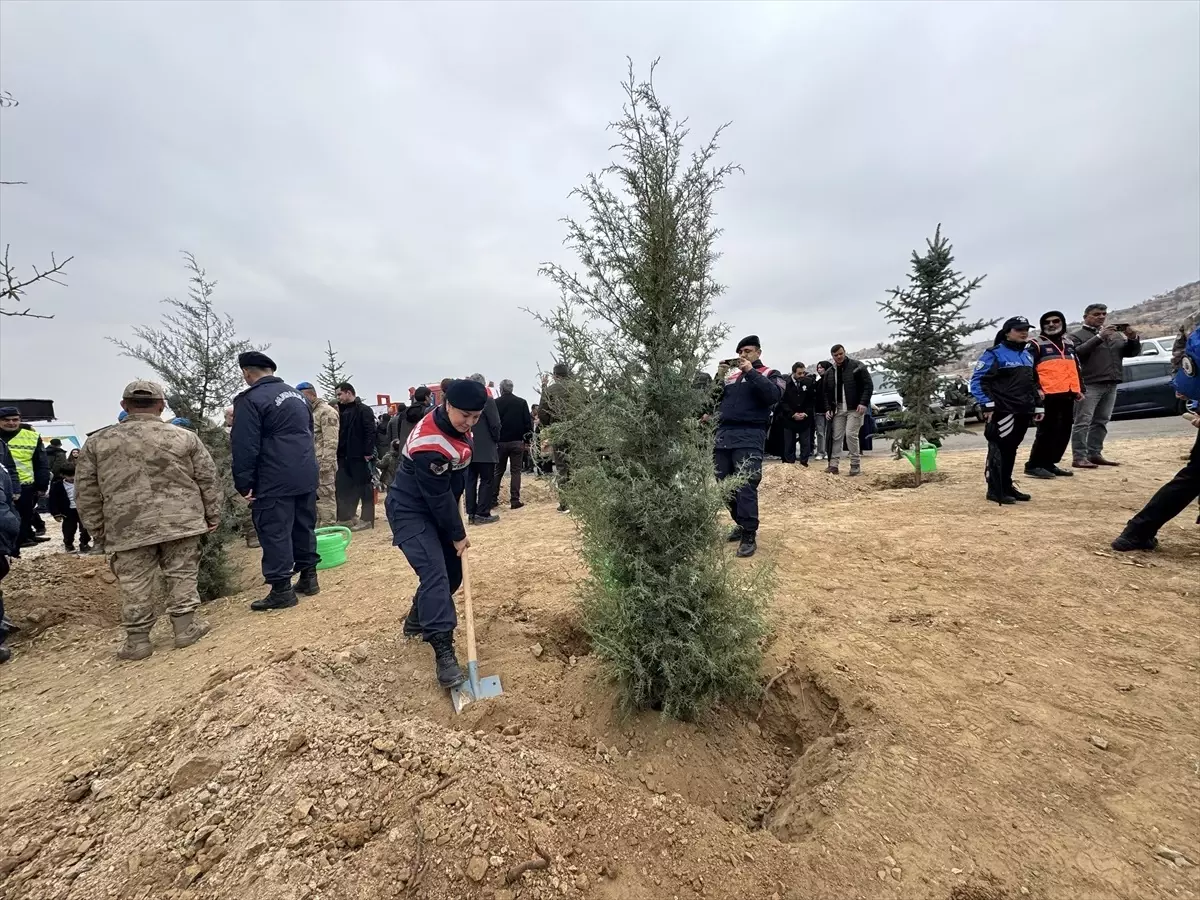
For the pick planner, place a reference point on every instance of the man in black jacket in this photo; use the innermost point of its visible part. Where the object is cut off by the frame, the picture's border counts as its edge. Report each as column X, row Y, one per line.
column 275, row 469
column 798, row 409
column 749, row 392
column 516, row 431
column 481, row 476
column 845, row 400
column 356, row 447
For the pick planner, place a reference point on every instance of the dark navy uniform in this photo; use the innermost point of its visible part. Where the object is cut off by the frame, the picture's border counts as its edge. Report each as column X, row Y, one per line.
column 422, row 509
column 744, row 417
column 274, row 456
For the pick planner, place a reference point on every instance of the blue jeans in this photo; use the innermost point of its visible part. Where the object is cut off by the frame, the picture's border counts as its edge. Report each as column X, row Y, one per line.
column 1092, row 414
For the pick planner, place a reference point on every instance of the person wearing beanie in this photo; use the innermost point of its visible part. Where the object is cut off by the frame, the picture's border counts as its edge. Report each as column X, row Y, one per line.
column 57, row 456
column 275, row 469
column 1059, row 380
column 555, row 409
column 326, row 429
column 32, row 471
column 846, row 399
column 422, row 509
column 1005, row 383
column 749, row 392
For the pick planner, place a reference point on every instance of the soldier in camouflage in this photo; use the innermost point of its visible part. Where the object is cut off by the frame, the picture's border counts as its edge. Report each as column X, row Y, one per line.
column 326, row 423
column 147, row 491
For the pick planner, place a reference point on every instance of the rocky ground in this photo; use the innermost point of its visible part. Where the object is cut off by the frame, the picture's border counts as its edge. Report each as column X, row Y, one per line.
column 961, row 701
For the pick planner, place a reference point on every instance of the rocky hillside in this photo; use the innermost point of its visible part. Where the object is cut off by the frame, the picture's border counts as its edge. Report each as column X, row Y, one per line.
column 1159, row 316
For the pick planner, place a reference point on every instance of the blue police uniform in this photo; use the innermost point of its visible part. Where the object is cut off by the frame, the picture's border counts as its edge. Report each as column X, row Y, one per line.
column 744, row 418
column 422, row 509
column 274, row 456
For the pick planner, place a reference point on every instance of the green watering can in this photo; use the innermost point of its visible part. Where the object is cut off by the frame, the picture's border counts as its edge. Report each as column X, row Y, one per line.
column 928, row 458
column 332, row 542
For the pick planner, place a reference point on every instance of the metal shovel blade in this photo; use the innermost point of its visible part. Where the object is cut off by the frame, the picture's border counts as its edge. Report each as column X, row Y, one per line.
column 475, row 688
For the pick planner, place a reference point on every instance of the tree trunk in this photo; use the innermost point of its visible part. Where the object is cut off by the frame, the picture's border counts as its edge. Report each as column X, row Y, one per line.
column 917, row 457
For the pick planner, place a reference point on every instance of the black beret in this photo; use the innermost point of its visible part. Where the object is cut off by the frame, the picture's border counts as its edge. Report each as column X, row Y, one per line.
column 561, row 370
column 750, row 341
column 253, row 359
column 467, row 395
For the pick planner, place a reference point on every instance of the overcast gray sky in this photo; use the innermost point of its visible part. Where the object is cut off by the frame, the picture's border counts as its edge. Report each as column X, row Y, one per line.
column 389, row 176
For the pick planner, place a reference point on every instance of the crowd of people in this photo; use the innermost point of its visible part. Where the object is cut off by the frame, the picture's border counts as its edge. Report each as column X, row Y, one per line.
column 145, row 491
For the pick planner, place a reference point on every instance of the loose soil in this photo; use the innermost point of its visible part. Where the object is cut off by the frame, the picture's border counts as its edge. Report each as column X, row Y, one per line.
column 960, row 701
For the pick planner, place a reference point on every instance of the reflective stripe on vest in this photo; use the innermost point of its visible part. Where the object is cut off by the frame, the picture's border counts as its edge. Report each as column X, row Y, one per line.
column 426, row 437
column 22, row 446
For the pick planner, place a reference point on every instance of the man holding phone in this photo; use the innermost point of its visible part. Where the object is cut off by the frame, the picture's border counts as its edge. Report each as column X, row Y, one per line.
column 749, row 392
column 1102, row 350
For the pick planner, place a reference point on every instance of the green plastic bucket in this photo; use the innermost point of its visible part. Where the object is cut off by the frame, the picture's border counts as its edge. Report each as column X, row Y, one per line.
column 332, row 542
column 928, row 457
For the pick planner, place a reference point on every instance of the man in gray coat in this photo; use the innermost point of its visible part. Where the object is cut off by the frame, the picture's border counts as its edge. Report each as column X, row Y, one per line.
column 1102, row 350
column 484, row 457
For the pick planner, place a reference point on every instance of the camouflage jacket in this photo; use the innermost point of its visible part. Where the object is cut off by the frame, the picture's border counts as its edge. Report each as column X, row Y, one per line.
column 325, row 434
column 145, row 481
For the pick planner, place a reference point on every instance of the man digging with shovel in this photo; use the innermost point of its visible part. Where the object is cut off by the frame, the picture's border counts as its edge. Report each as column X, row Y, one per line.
column 422, row 508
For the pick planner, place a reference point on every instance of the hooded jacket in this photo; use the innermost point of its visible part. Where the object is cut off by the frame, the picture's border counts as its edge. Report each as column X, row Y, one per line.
column 408, row 421
column 1057, row 364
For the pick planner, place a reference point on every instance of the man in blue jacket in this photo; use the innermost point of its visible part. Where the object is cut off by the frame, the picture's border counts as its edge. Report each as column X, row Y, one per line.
column 422, row 508
column 275, row 469
column 748, row 395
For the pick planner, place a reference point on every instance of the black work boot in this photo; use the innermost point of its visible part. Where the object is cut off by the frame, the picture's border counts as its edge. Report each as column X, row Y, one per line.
column 748, row 545
column 1128, row 541
column 1038, row 472
column 486, row 518
column 449, row 673
column 282, row 596
column 307, row 584
column 735, row 534
column 412, row 624
column 1016, row 493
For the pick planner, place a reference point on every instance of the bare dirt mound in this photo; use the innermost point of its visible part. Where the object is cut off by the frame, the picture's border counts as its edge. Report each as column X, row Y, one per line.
column 301, row 775
column 60, row 589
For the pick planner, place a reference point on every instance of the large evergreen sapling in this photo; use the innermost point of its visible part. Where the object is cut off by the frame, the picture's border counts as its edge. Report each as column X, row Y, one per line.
column 333, row 373
column 930, row 333
column 678, row 625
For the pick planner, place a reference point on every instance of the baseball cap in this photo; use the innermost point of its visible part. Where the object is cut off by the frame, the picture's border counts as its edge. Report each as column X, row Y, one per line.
column 143, row 390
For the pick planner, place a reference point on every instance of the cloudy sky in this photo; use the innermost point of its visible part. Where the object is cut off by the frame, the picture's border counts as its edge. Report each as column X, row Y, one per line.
column 388, row 176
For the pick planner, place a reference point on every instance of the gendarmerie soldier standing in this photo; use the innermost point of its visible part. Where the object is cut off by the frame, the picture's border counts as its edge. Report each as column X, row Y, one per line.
column 422, row 508
column 147, row 491
column 749, row 392
column 275, row 469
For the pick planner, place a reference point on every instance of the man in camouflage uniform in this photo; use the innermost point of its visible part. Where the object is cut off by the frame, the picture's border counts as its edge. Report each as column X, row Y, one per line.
column 326, row 423
column 147, row 490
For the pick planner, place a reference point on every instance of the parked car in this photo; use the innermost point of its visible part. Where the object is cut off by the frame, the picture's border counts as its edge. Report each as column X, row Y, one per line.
column 1147, row 389
column 1160, row 346
column 887, row 404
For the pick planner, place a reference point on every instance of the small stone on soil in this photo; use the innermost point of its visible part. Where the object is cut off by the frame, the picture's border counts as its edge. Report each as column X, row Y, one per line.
column 477, row 868
column 537, row 650
column 1096, row 741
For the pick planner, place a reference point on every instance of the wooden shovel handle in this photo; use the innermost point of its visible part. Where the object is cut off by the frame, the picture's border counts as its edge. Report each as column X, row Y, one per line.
column 468, row 607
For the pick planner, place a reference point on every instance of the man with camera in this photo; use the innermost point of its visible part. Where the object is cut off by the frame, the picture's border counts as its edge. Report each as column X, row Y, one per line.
column 749, row 392
column 1101, row 349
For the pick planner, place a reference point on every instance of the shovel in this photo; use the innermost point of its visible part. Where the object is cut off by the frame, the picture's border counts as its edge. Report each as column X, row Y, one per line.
column 474, row 688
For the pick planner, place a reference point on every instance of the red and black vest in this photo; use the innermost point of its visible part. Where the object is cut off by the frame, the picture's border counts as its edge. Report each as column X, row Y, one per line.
column 427, row 437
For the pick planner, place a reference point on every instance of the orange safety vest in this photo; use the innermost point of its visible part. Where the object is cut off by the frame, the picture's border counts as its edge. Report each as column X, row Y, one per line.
column 1057, row 369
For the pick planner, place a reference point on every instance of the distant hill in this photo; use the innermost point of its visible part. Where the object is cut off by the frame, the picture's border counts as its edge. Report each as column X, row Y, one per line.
column 1159, row 316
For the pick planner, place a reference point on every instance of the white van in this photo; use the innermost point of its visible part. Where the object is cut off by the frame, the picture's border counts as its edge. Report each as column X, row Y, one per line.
column 1157, row 346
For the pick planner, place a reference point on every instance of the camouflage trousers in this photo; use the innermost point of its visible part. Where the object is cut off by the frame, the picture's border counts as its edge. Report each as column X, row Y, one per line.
column 327, row 497
column 138, row 572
